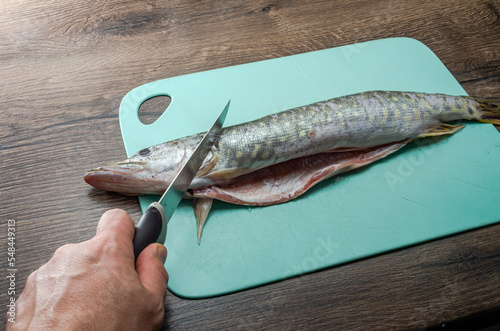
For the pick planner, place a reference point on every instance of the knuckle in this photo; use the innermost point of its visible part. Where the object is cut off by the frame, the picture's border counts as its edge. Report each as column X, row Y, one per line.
column 32, row 278
column 62, row 251
column 116, row 213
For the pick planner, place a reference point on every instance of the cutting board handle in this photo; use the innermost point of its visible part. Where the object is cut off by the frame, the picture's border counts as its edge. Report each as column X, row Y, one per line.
column 129, row 107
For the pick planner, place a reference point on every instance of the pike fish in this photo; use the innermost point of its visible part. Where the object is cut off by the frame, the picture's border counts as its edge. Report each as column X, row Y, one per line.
column 279, row 157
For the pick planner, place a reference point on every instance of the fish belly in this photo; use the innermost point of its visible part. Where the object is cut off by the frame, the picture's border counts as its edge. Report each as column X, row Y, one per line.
column 285, row 181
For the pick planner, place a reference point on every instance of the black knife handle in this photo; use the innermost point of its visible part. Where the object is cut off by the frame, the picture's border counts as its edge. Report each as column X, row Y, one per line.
column 152, row 227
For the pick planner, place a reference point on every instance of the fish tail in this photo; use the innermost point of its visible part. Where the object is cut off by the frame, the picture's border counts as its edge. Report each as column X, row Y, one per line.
column 490, row 110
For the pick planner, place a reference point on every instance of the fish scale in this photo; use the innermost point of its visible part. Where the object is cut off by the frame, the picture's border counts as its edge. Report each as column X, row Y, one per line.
column 358, row 121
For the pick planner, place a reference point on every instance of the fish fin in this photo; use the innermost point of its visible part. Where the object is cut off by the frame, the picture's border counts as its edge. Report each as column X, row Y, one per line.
column 201, row 208
column 285, row 181
column 442, row 130
column 490, row 110
column 228, row 173
column 206, row 168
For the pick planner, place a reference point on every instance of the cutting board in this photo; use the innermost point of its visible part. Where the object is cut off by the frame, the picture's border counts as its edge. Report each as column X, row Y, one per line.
column 429, row 189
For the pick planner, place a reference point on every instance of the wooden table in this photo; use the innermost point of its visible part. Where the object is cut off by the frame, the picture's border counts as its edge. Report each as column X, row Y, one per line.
column 65, row 66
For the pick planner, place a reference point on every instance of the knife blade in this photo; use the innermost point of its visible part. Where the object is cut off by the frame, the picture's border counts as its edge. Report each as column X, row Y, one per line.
column 152, row 226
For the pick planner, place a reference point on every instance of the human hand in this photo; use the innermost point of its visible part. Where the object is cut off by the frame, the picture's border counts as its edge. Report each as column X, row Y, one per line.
column 95, row 285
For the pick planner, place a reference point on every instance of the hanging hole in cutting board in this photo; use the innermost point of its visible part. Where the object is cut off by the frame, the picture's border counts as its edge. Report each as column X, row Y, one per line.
column 151, row 109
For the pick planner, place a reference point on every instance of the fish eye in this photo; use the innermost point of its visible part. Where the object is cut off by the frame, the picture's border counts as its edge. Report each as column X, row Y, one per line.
column 144, row 152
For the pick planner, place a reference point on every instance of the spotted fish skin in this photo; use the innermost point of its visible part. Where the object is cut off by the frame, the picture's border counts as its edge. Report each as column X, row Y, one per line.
column 355, row 121
column 350, row 122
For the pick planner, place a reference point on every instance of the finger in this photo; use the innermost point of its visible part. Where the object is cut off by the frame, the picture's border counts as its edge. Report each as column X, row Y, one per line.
column 151, row 270
column 116, row 222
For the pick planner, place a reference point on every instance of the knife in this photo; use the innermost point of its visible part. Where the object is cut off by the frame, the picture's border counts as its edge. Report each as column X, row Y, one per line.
column 152, row 226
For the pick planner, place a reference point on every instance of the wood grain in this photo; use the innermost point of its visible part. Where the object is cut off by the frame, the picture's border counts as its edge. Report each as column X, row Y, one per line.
column 66, row 66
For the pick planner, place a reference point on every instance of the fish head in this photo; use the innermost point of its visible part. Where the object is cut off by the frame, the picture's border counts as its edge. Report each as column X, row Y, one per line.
column 148, row 171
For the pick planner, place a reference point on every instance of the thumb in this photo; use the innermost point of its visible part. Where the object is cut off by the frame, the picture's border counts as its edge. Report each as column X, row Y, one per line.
column 151, row 271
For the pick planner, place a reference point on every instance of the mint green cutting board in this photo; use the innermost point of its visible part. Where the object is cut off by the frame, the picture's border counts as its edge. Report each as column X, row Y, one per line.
column 427, row 190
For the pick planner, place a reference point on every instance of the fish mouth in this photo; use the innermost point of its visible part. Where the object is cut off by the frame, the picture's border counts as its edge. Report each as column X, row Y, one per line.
column 121, row 168
column 122, row 177
column 125, row 167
